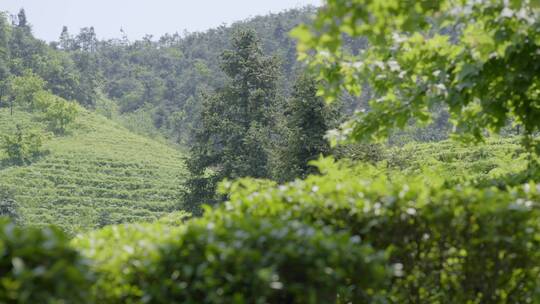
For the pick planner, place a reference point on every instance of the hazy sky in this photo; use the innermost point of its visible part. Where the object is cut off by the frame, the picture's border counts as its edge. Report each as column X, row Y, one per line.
column 140, row 17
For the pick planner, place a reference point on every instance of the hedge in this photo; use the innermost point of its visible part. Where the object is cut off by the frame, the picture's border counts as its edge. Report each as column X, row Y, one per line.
column 39, row 266
column 253, row 260
column 460, row 245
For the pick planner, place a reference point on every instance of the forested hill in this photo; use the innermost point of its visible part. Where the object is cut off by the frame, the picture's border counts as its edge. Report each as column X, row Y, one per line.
column 67, row 75
column 65, row 165
column 153, row 86
column 159, row 81
column 154, row 83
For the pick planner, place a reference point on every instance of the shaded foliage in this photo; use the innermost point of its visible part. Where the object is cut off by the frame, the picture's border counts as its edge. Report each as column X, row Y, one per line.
column 8, row 205
column 22, row 146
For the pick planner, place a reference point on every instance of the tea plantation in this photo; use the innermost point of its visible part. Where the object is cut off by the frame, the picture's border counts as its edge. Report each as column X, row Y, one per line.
column 98, row 173
column 493, row 163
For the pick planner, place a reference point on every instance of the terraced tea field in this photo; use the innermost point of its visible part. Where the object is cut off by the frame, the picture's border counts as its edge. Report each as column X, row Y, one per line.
column 482, row 163
column 97, row 174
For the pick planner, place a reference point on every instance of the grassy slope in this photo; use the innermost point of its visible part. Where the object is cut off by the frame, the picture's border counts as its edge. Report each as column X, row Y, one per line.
column 98, row 173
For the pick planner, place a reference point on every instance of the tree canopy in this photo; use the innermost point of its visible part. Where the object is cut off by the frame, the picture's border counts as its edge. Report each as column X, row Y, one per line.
column 481, row 59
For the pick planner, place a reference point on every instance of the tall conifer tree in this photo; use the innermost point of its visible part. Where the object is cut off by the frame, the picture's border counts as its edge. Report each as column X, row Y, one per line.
column 306, row 122
column 66, row 41
column 4, row 57
column 21, row 18
column 235, row 120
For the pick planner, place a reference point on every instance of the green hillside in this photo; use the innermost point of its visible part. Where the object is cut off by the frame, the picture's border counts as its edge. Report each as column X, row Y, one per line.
column 97, row 174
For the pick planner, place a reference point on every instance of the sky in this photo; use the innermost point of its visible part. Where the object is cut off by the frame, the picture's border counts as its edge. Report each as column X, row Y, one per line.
column 140, row 17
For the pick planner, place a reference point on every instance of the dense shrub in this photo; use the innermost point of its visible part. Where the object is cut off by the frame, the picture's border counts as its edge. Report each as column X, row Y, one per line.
column 56, row 111
column 60, row 113
column 120, row 254
column 24, row 89
column 462, row 245
column 8, row 206
column 247, row 260
column 39, row 266
column 265, row 260
column 22, row 146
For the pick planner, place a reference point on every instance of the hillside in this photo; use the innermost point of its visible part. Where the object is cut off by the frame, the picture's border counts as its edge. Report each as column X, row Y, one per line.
column 98, row 173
